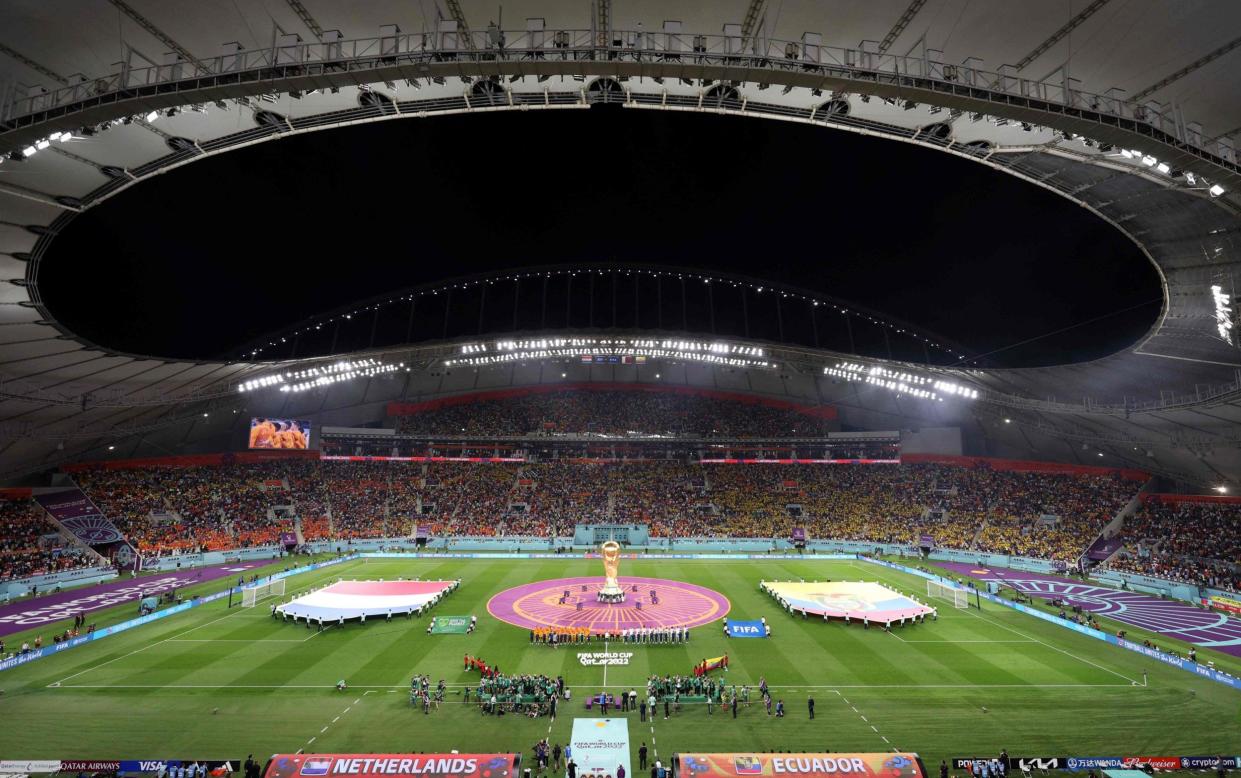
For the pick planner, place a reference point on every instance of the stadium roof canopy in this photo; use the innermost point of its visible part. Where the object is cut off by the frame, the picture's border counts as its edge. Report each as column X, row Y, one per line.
column 1126, row 107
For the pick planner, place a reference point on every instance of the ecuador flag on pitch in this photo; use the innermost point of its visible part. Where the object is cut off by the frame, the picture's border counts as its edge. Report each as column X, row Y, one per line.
column 707, row 665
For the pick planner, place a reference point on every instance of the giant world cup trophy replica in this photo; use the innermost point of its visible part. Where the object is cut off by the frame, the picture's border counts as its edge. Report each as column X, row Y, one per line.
column 611, row 591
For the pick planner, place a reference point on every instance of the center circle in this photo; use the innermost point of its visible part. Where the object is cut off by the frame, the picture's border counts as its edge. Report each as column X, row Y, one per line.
column 675, row 604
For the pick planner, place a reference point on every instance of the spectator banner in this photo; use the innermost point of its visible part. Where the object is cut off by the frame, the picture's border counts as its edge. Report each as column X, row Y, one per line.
column 383, row 765
column 746, row 629
column 600, row 746
column 1226, row 604
column 450, row 625
column 288, row 538
column 812, row 765
column 74, row 511
column 926, row 541
column 799, row 535
column 1044, row 763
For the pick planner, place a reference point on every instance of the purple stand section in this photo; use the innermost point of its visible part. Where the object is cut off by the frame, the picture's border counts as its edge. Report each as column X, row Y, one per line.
column 1173, row 618
column 1103, row 548
column 28, row 614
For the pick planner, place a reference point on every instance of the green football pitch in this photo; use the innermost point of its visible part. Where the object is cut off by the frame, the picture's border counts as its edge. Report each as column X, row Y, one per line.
column 221, row 683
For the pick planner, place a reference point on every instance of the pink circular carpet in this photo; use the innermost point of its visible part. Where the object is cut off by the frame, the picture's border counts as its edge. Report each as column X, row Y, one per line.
column 538, row 604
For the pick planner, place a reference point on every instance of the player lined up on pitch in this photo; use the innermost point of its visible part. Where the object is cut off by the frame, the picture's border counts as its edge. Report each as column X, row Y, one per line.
column 655, row 635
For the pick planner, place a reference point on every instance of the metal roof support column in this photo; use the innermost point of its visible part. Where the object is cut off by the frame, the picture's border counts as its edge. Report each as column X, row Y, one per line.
column 516, row 299
column 1061, row 33
column 409, row 328
column 684, row 308
column 158, row 34
column 482, row 309
column 1185, row 71
column 659, row 300
column 637, row 308
column 306, row 18
column 35, row 66
column 447, row 310
column 914, row 7
column 711, row 305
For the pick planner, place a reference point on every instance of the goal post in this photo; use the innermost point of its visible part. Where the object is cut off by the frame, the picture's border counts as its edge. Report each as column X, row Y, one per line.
column 252, row 595
column 960, row 597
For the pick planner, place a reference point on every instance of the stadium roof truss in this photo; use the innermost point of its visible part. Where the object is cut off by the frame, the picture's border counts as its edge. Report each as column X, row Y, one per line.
column 1170, row 403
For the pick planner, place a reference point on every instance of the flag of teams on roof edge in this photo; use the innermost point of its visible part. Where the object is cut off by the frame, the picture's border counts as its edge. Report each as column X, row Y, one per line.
column 386, row 765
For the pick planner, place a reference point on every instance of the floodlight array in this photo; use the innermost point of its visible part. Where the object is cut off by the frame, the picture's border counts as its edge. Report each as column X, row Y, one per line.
column 1223, row 313
column 624, row 349
column 1139, row 157
column 325, row 375
column 900, row 381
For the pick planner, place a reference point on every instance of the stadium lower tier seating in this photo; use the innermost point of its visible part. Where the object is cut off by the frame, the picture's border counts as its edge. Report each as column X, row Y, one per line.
column 208, row 508
column 29, row 546
column 1193, row 542
column 166, row 510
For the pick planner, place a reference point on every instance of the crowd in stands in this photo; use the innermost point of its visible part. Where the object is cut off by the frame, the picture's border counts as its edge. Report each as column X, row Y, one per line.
column 26, row 545
column 169, row 510
column 173, row 510
column 1190, row 542
column 614, row 413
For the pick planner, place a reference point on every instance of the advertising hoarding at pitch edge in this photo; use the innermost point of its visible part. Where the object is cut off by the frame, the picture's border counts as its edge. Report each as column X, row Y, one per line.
column 894, row 765
column 381, row 765
column 1027, row 763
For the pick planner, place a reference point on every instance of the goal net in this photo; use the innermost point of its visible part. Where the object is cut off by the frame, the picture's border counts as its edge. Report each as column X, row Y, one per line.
column 251, row 595
column 960, row 597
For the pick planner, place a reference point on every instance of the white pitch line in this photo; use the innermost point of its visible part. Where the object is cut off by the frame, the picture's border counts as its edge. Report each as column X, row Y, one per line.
column 308, row 742
column 1047, row 645
column 825, row 686
column 323, row 730
column 144, row 648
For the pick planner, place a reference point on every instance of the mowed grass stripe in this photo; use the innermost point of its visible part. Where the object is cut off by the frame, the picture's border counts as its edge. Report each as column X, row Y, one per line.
column 937, row 722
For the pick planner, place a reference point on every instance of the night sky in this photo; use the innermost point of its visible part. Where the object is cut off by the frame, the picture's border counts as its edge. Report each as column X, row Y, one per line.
column 195, row 262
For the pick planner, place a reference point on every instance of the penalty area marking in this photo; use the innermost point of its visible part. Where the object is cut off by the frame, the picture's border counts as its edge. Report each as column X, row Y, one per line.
column 177, row 637
column 1042, row 643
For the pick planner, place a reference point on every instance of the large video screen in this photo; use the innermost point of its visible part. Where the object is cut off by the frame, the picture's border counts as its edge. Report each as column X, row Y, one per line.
column 279, row 433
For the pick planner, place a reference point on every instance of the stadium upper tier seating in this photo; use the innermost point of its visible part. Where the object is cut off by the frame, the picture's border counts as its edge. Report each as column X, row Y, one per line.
column 217, row 507
column 614, row 413
column 1194, row 542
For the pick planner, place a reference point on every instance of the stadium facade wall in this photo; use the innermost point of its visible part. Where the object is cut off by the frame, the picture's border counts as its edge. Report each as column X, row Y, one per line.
column 945, row 441
column 124, row 626
column 1160, row 587
column 1026, row 466
column 1174, row 499
column 409, row 409
column 1168, row 659
column 192, row 460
